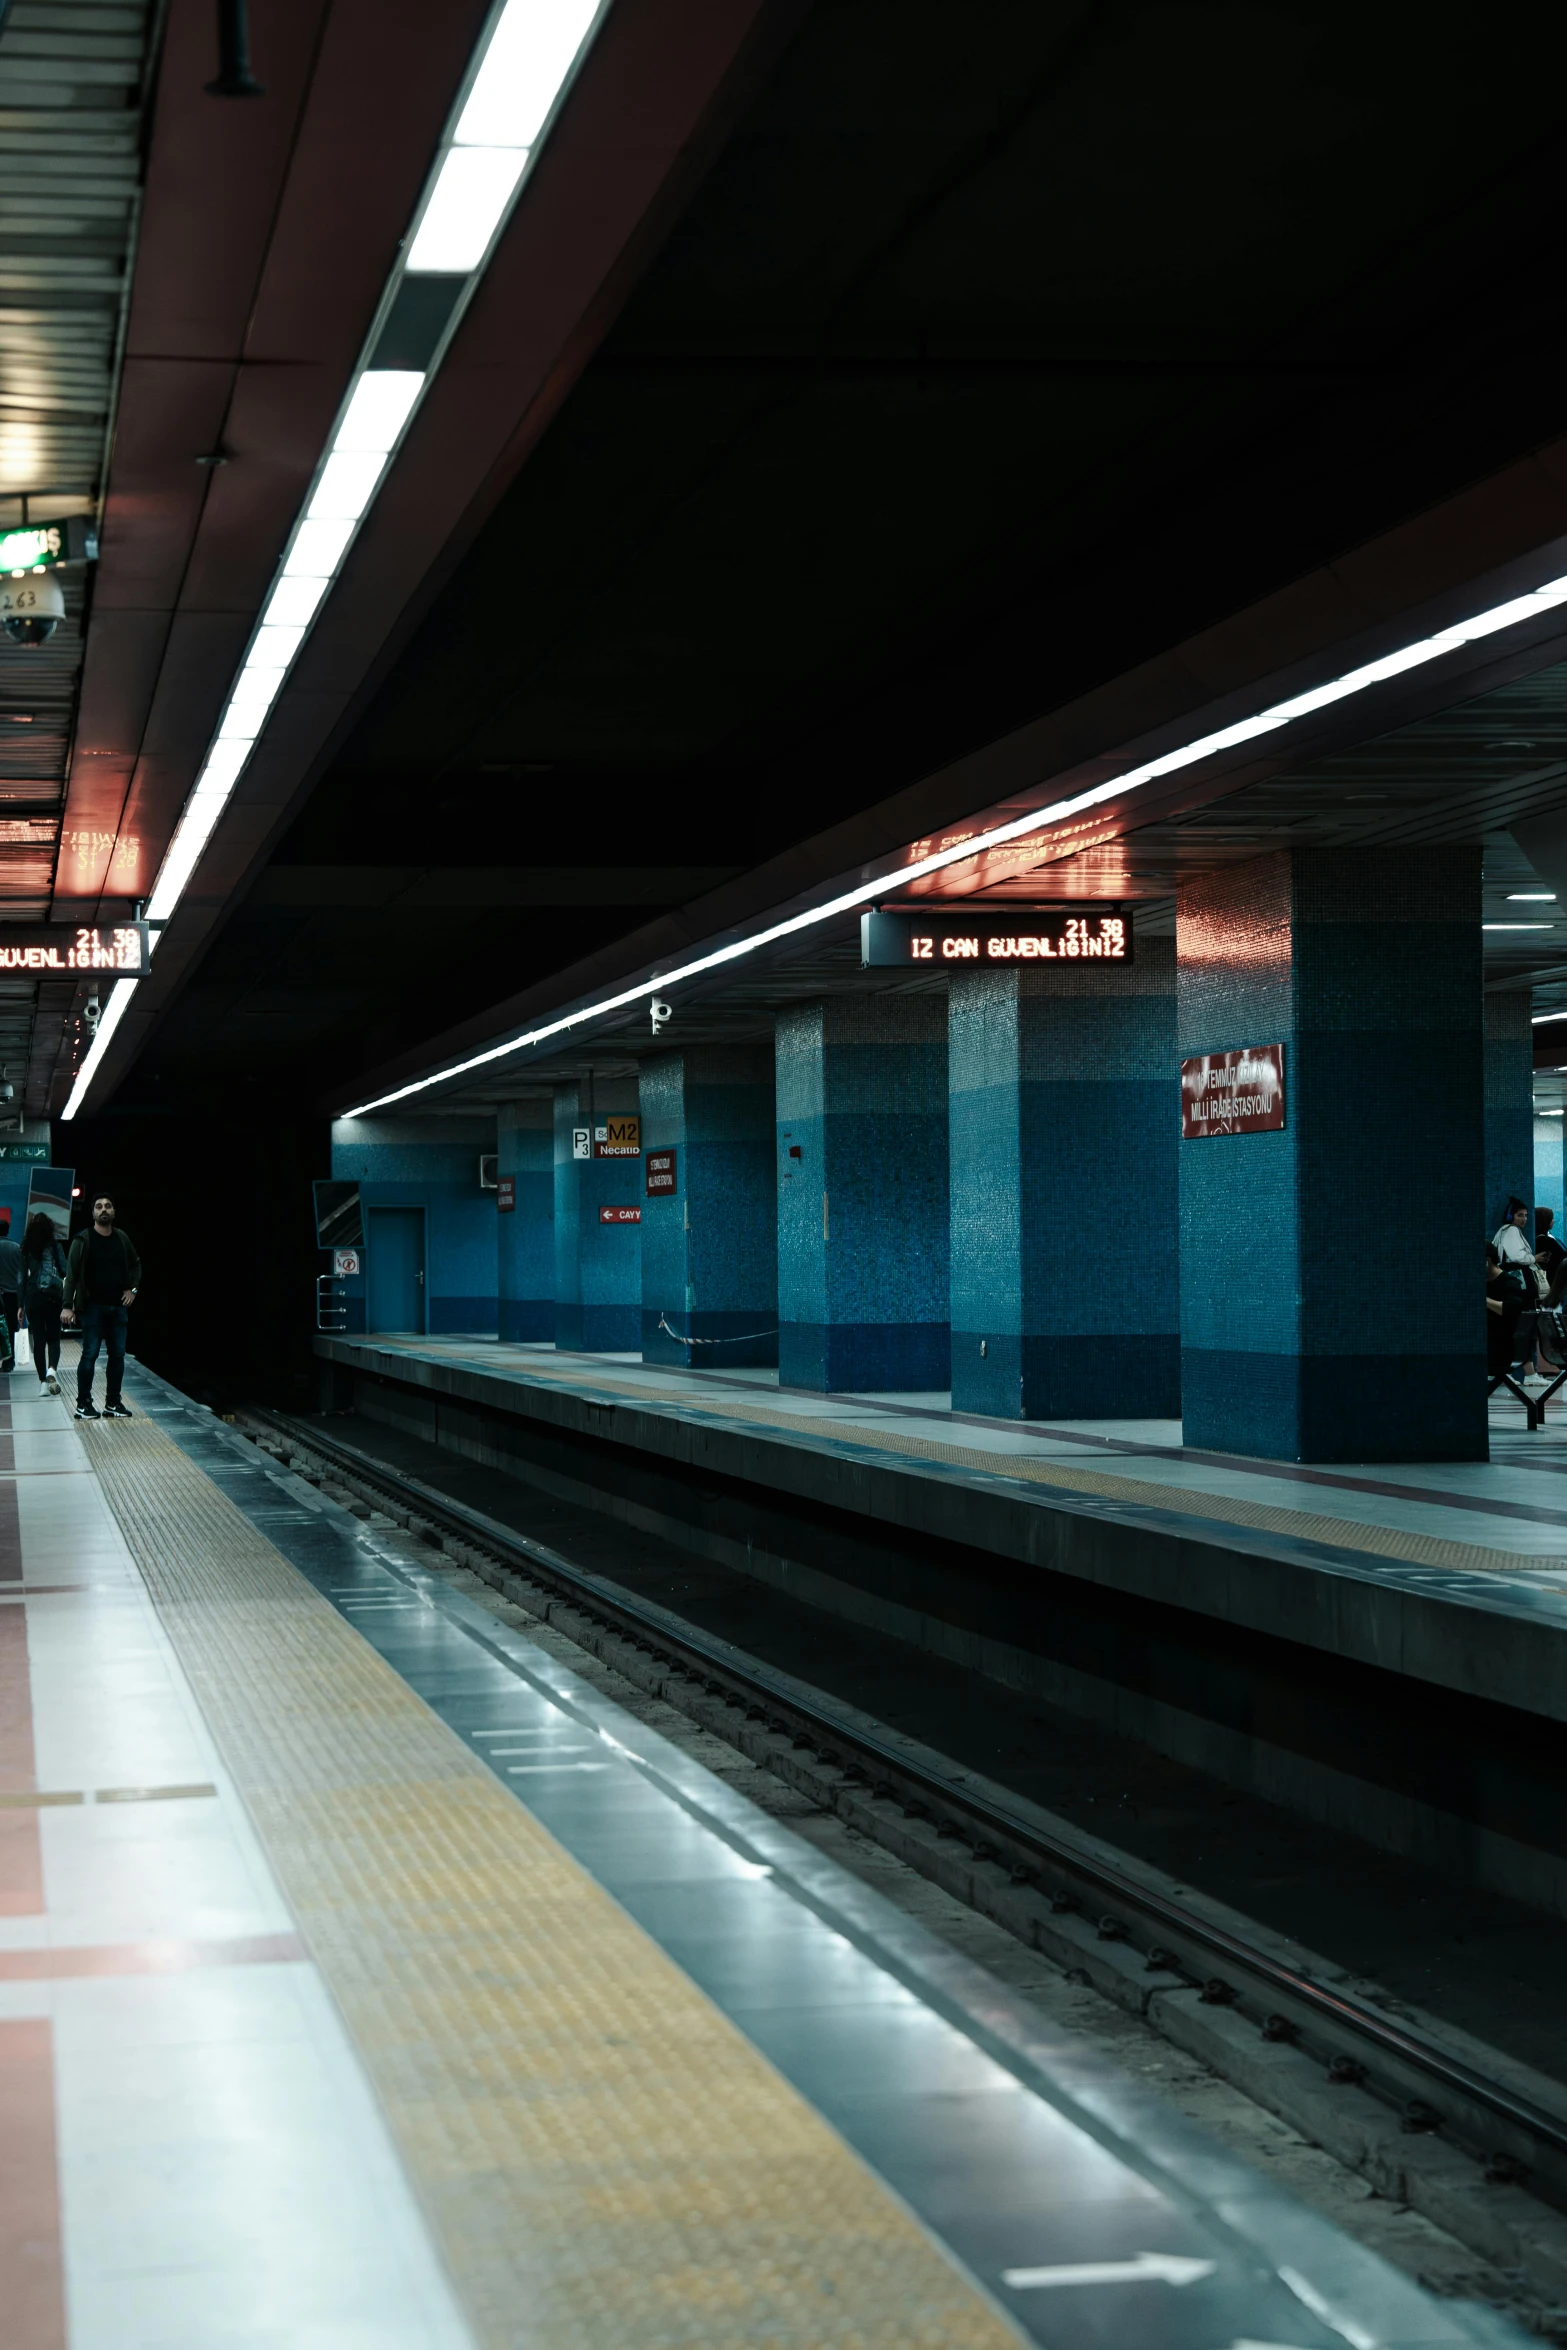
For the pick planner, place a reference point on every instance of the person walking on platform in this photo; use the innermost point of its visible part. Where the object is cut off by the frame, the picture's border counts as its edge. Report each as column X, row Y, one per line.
column 10, row 1289
column 43, row 1292
column 102, row 1276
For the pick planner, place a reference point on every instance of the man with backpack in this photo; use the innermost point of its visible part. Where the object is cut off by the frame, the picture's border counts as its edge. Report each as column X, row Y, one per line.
column 102, row 1276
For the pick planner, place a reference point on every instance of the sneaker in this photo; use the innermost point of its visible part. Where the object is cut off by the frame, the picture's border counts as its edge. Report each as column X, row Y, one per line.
column 52, row 1383
column 88, row 1411
column 118, row 1411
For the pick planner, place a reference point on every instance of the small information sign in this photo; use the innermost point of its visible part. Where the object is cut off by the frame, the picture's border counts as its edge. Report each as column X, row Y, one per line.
column 1233, row 1093
column 619, row 1138
column 662, row 1176
column 506, row 1194
column 620, row 1215
column 581, row 1142
column 345, row 1264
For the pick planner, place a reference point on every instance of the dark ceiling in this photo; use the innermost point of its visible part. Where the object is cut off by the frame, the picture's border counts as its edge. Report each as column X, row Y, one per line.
column 1002, row 347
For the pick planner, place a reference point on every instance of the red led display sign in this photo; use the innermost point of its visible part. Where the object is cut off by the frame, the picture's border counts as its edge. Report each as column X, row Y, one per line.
column 1233, row 1093
column 120, row 949
column 975, row 942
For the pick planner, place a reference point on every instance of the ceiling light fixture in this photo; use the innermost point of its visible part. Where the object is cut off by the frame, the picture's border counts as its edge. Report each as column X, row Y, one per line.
column 1531, row 897
column 1512, row 614
column 520, row 70
column 1517, row 926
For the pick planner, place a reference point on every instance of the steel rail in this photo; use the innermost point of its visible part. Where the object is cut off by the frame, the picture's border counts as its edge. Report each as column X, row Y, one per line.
column 840, row 1726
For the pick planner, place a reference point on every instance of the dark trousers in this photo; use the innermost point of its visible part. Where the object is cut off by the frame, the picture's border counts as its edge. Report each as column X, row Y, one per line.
column 9, row 1307
column 101, row 1326
column 43, row 1328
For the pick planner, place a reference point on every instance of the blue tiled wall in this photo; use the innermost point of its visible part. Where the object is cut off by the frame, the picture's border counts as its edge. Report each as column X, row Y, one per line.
column 1331, row 1305
column 598, row 1267
column 1065, row 1105
column 862, row 1210
column 1509, row 1102
column 710, row 1250
column 431, row 1163
column 525, row 1238
column 1549, row 1190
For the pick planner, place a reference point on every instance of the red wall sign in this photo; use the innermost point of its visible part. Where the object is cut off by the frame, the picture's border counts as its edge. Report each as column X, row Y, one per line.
column 506, row 1194
column 661, row 1174
column 620, row 1215
column 1233, row 1093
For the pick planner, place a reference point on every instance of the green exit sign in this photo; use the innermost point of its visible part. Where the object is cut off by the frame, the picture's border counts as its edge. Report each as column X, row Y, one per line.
column 42, row 545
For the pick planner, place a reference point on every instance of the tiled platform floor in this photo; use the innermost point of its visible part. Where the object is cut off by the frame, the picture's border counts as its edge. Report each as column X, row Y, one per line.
column 1506, row 1515
column 367, row 1980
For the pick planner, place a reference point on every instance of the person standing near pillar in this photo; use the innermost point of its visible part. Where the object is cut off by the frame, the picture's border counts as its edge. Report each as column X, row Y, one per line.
column 1516, row 1257
column 102, row 1277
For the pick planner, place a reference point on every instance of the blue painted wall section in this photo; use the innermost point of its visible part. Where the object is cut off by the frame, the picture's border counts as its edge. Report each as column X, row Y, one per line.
column 1549, row 1190
column 433, row 1164
column 1065, row 1105
column 1509, row 1102
column 1303, row 1338
column 525, row 1239
column 598, row 1267
column 862, row 1208
column 710, row 1250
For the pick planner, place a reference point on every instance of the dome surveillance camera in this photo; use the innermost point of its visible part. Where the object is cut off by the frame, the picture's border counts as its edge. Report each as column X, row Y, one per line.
column 31, row 608
column 93, row 1014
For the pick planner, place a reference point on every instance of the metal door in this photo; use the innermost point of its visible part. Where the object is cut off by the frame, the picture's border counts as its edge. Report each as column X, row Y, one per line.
column 396, row 1270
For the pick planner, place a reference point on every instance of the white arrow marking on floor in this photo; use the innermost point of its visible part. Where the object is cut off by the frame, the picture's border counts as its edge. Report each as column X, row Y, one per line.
column 1165, row 2268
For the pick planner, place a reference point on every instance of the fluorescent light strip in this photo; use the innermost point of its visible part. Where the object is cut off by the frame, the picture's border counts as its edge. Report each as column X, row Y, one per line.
column 531, row 52
column 1354, row 681
column 527, row 62
column 114, row 1011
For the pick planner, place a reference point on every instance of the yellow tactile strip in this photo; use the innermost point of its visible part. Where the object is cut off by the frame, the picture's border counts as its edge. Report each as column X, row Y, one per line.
column 1395, row 1542
column 606, row 2162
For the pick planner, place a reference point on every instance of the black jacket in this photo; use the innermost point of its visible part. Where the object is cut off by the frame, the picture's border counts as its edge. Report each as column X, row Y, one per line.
column 76, row 1268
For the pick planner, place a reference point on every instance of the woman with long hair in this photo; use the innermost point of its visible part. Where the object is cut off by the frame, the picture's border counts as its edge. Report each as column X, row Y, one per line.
column 43, row 1290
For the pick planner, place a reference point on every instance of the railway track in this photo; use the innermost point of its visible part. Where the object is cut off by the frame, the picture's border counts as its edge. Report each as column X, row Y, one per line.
column 1471, row 2137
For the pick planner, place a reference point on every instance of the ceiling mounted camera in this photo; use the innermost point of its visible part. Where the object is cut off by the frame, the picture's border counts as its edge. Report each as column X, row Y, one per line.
column 31, row 609
column 661, row 1014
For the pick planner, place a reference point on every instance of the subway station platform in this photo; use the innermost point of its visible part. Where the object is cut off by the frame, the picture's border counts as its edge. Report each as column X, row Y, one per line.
column 366, row 1979
column 1314, row 1636
column 1507, row 1515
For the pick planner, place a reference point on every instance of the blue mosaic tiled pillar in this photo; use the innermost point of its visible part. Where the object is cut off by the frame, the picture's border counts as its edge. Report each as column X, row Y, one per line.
column 1330, row 1287
column 1065, row 1118
column 1509, row 1102
column 598, row 1266
column 710, row 1247
column 1549, row 1189
column 525, row 1238
column 862, row 1193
